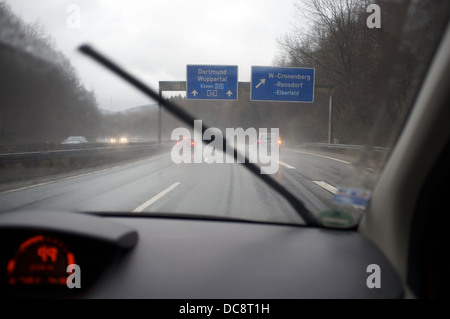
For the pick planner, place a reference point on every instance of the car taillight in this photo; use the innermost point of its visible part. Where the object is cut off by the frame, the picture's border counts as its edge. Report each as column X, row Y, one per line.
column 259, row 141
column 279, row 141
column 192, row 143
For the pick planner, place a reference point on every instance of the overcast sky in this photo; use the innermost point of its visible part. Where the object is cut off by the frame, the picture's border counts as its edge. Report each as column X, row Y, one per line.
column 156, row 39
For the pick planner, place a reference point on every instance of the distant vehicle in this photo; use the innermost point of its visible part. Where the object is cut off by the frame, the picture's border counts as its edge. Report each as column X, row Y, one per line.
column 75, row 140
column 119, row 140
column 265, row 139
column 102, row 140
column 123, row 140
column 186, row 142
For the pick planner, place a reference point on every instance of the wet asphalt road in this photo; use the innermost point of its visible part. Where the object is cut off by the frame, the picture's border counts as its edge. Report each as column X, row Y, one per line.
column 157, row 184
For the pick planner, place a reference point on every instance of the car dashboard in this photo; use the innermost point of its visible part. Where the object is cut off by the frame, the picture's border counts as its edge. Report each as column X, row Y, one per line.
column 183, row 257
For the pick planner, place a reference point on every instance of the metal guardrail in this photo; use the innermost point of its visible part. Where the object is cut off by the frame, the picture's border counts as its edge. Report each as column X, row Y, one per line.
column 27, row 165
column 346, row 147
column 84, row 152
column 46, row 147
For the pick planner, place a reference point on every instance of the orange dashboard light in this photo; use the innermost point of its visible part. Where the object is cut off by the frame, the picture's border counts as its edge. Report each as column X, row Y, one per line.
column 70, row 259
column 45, row 252
column 11, row 266
column 31, row 241
column 40, row 260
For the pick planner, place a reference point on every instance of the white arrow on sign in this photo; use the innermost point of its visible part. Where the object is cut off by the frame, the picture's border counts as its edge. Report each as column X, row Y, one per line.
column 194, row 93
column 262, row 81
column 229, row 93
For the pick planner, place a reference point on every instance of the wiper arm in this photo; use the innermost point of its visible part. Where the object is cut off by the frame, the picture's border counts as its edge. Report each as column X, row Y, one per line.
column 182, row 115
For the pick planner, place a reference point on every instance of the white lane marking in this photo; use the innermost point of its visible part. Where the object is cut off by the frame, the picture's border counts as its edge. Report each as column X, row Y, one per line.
column 331, row 158
column 155, row 198
column 326, row 186
column 79, row 175
column 333, row 190
column 287, row 165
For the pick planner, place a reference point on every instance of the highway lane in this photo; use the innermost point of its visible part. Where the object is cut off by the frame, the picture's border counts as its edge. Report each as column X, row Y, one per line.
column 321, row 175
column 158, row 185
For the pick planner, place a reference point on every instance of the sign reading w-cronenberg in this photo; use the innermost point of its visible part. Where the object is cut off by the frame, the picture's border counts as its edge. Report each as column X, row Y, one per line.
column 212, row 82
column 282, row 84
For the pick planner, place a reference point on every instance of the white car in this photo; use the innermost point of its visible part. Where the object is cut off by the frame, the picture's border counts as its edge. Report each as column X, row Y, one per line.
column 75, row 140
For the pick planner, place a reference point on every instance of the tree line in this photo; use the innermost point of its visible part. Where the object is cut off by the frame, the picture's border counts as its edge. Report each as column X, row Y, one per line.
column 42, row 99
column 375, row 72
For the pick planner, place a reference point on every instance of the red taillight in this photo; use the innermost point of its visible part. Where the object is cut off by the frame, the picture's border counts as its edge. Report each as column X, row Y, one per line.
column 259, row 141
column 279, row 141
column 192, row 143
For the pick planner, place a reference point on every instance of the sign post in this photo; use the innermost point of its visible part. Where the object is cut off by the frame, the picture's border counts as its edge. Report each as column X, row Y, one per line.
column 211, row 82
column 282, row 84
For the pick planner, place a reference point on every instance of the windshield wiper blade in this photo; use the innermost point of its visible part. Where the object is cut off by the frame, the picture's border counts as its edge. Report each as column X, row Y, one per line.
column 182, row 115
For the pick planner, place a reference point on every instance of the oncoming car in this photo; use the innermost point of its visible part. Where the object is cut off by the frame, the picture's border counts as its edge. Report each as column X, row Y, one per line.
column 361, row 219
column 119, row 140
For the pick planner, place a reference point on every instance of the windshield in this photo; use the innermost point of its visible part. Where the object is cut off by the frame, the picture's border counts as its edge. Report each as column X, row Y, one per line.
column 312, row 94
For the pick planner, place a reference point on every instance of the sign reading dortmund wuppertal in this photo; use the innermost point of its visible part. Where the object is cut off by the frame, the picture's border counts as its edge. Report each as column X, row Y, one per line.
column 282, row 84
column 212, row 82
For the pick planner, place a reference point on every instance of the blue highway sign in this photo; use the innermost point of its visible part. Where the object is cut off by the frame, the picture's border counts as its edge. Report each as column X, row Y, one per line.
column 282, row 84
column 212, row 82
